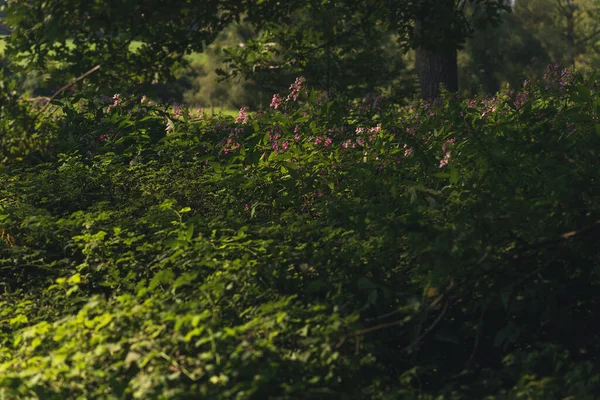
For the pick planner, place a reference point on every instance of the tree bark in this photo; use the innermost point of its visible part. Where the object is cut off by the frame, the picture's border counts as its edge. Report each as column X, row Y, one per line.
column 436, row 68
column 436, row 62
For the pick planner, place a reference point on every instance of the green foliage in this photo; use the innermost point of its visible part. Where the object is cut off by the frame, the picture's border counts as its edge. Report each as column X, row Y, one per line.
column 320, row 249
column 81, row 36
column 341, row 46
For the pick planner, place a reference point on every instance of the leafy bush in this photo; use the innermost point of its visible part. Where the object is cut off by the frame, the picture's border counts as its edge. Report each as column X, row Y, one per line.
column 320, row 249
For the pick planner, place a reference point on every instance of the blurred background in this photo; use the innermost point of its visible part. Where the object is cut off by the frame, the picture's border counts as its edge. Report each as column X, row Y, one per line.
column 535, row 34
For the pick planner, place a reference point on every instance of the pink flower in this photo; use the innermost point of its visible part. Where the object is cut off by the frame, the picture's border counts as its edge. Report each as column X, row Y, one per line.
column 276, row 101
column 295, row 89
column 284, row 146
column 348, row 143
column 375, row 130
column 328, row 142
column 246, row 207
column 444, row 161
column 242, row 117
column 446, row 143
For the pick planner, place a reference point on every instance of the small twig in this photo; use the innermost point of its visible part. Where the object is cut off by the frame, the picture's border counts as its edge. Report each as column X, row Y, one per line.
column 483, row 257
column 429, row 329
column 478, row 334
column 361, row 332
column 375, row 328
column 384, row 316
column 62, row 89
column 561, row 238
column 39, row 98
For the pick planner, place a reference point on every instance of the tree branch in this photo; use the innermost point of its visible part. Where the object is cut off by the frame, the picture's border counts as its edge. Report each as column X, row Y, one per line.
column 62, row 89
column 429, row 329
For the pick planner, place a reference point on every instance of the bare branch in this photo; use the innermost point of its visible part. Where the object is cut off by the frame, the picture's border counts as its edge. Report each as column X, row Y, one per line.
column 62, row 89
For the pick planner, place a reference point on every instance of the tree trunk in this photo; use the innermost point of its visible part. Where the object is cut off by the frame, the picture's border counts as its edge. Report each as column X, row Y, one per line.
column 570, row 17
column 435, row 69
column 436, row 57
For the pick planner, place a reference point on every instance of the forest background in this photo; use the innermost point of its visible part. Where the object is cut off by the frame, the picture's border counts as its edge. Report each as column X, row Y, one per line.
column 229, row 75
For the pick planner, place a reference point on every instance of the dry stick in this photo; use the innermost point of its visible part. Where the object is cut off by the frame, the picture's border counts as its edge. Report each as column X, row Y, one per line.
column 62, row 89
column 361, row 332
column 428, row 330
column 375, row 328
column 478, row 334
column 384, row 316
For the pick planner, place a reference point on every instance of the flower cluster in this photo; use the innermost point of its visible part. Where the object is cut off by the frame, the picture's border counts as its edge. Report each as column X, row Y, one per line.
column 277, row 144
column 555, row 74
column 230, row 145
column 276, row 101
column 296, row 89
column 179, row 110
column 446, row 158
column 520, row 99
column 242, row 117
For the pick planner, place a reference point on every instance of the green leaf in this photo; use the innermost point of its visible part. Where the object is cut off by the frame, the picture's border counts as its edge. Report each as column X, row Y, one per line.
column 216, row 166
column 190, row 232
column 163, row 277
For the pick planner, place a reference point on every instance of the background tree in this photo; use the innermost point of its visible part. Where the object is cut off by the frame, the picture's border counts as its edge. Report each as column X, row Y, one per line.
column 102, row 33
column 71, row 37
column 435, row 29
column 535, row 34
column 338, row 48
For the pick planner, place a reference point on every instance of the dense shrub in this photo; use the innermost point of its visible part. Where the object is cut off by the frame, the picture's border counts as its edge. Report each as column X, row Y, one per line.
column 321, row 249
